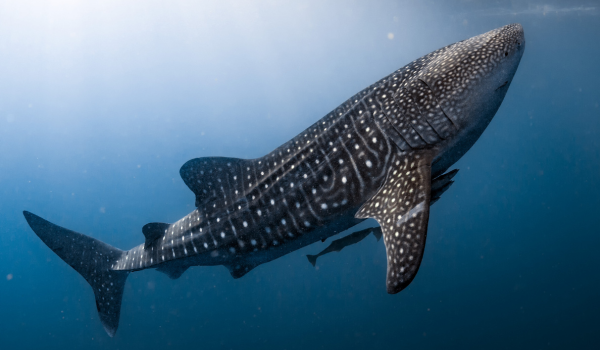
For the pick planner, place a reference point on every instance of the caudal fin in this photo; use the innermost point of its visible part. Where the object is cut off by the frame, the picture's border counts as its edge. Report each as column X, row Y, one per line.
column 312, row 259
column 93, row 260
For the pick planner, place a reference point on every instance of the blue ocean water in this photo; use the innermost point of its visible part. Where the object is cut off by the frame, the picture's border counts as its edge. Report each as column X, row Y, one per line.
column 102, row 102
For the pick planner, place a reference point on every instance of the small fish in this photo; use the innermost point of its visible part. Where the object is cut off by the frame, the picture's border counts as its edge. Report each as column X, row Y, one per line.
column 343, row 242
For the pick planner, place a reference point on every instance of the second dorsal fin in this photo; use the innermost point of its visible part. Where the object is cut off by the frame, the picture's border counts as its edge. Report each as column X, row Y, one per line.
column 153, row 231
column 215, row 177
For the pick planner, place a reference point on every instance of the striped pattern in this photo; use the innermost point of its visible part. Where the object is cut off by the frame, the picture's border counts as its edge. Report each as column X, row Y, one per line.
column 253, row 211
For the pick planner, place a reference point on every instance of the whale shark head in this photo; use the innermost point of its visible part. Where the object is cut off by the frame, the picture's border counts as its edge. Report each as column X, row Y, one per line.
column 470, row 78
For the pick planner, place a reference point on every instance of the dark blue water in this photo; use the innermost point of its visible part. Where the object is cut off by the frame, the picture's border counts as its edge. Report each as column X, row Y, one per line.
column 102, row 102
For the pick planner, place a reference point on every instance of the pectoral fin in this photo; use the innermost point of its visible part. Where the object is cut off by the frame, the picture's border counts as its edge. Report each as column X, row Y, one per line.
column 377, row 233
column 401, row 207
column 441, row 184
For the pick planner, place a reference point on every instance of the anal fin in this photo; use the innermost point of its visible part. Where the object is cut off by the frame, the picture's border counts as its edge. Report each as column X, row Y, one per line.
column 173, row 271
column 401, row 207
column 239, row 270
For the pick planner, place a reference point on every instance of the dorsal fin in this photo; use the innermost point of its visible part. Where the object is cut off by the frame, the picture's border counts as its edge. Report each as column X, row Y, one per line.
column 153, row 231
column 214, row 177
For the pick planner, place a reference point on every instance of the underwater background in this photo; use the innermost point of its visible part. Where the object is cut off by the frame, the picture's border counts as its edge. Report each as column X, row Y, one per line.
column 101, row 102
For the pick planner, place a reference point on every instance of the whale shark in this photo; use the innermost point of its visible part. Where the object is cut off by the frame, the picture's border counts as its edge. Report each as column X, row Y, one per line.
column 377, row 155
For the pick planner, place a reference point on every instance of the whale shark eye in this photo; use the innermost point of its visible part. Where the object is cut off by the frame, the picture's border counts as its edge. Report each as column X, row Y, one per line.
column 506, row 53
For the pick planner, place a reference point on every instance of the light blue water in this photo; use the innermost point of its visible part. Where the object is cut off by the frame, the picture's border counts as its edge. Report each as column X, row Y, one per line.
column 102, row 102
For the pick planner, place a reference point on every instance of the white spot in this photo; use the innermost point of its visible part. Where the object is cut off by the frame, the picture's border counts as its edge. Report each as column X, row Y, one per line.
column 324, row 206
column 344, row 179
column 369, row 164
column 245, row 224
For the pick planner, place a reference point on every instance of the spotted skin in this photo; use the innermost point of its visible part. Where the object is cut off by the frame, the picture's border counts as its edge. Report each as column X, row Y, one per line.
column 373, row 156
column 249, row 211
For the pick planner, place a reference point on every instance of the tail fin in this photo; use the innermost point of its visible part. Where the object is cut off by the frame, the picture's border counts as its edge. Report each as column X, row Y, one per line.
column 93, row 260
column 312, row 259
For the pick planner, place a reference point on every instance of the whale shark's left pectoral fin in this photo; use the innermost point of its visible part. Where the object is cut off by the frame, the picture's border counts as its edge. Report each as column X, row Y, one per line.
column 401, row 207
